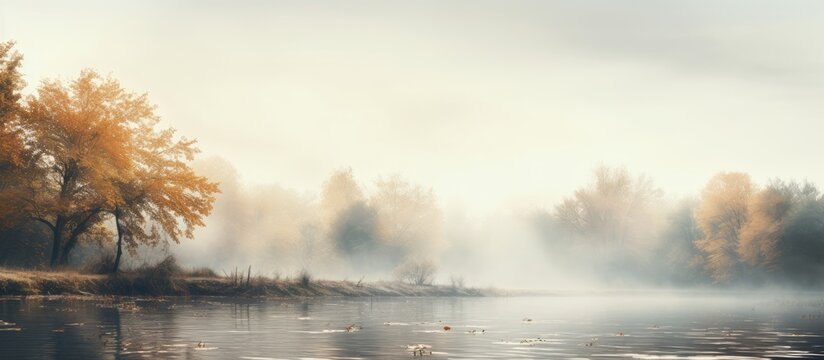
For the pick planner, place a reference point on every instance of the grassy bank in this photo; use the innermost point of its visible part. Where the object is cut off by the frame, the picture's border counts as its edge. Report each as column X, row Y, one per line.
column 28, row 282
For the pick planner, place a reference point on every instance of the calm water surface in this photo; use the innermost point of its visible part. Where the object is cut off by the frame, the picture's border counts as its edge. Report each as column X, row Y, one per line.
column 628, row 326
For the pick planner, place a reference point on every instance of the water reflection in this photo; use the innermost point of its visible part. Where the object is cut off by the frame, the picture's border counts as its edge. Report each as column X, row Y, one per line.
column 560, row 327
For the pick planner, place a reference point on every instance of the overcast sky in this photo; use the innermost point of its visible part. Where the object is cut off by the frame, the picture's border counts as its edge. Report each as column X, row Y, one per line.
column 496, row 105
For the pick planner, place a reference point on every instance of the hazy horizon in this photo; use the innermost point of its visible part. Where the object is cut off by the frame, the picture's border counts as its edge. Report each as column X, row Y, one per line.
column 497, row 107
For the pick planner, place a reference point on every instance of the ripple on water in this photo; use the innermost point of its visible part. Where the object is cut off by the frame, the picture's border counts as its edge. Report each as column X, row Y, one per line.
column 561, row 327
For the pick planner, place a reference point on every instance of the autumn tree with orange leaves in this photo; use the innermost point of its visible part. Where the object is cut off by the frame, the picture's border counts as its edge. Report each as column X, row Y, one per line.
column 13, row 152
column 162, row 195
column 101, row 156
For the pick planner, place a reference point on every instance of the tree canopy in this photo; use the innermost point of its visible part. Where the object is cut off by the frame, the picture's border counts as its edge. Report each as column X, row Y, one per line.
column 13, row 152
column 75, row 155
column 614, row 209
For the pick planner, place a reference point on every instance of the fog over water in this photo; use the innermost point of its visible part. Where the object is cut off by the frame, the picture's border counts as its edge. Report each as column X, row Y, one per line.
column 618, row 231
column 550, row 145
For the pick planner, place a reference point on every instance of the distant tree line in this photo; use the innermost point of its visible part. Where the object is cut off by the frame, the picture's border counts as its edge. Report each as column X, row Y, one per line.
column 86, row 161
column 734, row 232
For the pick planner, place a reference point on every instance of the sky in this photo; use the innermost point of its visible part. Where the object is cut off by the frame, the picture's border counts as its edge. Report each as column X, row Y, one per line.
column 494, row 104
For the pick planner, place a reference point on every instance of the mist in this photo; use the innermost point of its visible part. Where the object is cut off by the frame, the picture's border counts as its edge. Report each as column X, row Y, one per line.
column 275, row 230
column 620, row 231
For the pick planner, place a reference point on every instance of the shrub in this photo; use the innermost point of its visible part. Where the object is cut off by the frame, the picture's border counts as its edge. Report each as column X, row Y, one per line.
column 166, row 268
column 305, row 278
column 416, row 272
column 203, row 272
column 157, row 279
column 102, row 265
column 457, row 282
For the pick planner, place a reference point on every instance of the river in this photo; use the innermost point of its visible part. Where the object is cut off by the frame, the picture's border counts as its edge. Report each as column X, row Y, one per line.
column 639, row 325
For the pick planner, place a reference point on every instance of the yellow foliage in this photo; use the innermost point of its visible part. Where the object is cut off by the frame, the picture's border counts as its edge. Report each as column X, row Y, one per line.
column 161, row 195
column 101, row 154
column 13, row 152
column 11, row 137
column 768, row 213
column 720, row 216
column 759, row 236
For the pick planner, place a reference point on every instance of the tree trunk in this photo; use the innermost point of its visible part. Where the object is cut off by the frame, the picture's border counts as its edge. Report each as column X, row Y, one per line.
column 57, row 237
column 119, row 240
column 64, row 256
column 74, row 236
column 70, row 244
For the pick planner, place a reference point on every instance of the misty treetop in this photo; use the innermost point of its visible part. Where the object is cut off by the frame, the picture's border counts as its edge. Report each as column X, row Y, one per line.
column 398, row 222
column 734, row 232
column 87, row 152
column 775, row 232
column 616, row 208
column 376, row 229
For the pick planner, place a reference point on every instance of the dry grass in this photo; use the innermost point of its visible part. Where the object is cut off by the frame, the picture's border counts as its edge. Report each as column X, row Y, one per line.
column 29, row 282
column 166, row 279
column 162, row 278
column 102, row 265
column 158, row 279
column 200, row 272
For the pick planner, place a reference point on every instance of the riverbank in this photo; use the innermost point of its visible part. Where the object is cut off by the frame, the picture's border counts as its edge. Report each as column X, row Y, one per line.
column 28, row 282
